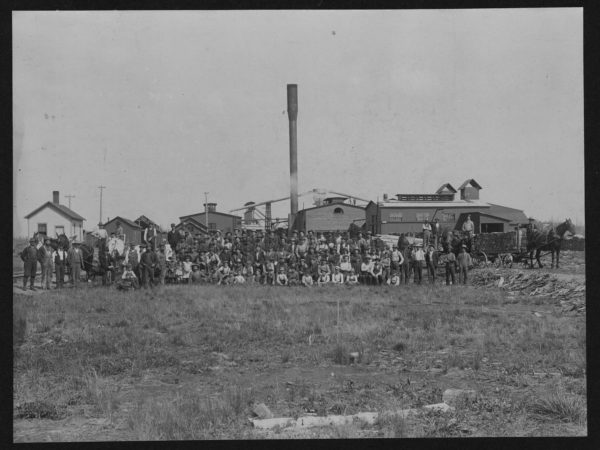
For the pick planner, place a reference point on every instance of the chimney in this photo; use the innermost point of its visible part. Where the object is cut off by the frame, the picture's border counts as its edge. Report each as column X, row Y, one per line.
column 212, row 207
column 385, row 197
column 292, row 109
column 55, row 197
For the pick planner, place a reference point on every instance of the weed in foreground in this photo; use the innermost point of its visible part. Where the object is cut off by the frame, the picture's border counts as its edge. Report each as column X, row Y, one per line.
column 559, row 404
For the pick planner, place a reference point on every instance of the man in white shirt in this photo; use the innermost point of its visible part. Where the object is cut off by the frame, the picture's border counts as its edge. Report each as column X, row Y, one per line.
column 418, row 257
column 426, row 232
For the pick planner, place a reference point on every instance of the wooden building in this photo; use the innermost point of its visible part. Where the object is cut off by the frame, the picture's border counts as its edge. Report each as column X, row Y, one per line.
column 333, row 215
column 216, row 220
column 407, row 212
column 132, row 230
column 52, row 219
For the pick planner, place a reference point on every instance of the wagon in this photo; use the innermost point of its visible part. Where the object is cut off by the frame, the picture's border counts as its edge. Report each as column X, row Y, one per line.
column 500, row 249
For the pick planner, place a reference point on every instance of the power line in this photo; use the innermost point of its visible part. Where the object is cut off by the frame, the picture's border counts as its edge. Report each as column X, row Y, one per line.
column 70, row 196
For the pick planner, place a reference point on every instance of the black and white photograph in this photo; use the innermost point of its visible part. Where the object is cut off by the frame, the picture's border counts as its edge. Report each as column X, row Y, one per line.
column 298, row 224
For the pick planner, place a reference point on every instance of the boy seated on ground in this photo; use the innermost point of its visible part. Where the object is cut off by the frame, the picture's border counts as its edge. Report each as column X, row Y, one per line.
column 394, row 280
column 307, row 279
column 352, row 278
column 323, row 279
column 238, row 278
column 128, row 280
column 337, row 277
column 196, row 276
column 293, row 277
column 282, row 279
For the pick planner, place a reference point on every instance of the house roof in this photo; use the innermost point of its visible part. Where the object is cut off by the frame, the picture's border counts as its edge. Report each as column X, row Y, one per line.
column 503, row 219
column 514, row 215
column 123, row 220
column 446, row 186
column 434, row 204
column 58, row 208
column 472, row 182
column 329, row 205
column 210, row 212
column 194, row 221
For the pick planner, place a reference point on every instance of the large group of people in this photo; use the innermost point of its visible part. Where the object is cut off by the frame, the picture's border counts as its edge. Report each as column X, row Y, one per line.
column 300, row 259
column 259, row 257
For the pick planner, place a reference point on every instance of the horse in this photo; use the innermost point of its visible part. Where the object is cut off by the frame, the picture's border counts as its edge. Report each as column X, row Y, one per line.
column 452, row 241
column 548, row 240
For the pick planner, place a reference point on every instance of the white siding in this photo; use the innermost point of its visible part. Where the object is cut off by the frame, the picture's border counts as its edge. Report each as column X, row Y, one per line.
column 53, row 219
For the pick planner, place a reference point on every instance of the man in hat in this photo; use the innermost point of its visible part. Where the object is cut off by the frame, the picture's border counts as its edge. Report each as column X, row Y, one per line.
column 149, row 236
column 75, row 260
column 418, row 258
column 449, row 260
column 173, row 237
column 426, row 232
column 431, row 260
column 464, row 261
column 29, row 256
column 119, row 231
column 162, row 263
column 132, row 257
column 435, row 230
column 60, row 262
column 469, row 228
column 148, row 264
column 45, row 259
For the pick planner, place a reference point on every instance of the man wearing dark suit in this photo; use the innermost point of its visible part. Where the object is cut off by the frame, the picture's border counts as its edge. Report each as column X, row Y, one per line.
column 60, row 262
column 148, row 264
column 173, row 237
column 29, row 256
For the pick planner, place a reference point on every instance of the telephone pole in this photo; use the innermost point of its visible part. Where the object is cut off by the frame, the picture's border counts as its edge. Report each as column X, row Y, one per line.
column 206, row 210
column 70, row 197
column 101, row 189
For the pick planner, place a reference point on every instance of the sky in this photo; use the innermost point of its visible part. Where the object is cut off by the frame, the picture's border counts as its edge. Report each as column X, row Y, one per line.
column 162, row 106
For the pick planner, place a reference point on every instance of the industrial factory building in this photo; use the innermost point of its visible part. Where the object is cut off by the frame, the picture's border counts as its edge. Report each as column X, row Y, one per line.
column 407, row 212
column 216, row 220
column 335, row 214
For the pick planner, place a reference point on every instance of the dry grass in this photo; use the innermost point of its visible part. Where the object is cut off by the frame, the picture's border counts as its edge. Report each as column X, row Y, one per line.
column 75, row 350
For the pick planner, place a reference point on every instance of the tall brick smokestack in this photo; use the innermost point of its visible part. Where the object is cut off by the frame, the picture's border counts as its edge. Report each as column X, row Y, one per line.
column 292, row 109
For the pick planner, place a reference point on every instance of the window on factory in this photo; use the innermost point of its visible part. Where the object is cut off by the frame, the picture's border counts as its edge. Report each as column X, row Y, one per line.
column 212, row 226
column 422, row 216
column 448, row 217
column 395, row 217
column 338, row 211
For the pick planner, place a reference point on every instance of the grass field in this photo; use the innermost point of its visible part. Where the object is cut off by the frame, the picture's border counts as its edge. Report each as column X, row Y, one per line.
column 190, row 362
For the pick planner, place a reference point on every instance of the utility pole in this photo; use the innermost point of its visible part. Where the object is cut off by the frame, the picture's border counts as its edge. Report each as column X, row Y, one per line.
column 206, row 210
column 101, row 189
column 70, row 197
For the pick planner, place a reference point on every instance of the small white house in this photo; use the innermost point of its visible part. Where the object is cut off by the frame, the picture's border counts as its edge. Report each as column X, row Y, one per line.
column 52, row 218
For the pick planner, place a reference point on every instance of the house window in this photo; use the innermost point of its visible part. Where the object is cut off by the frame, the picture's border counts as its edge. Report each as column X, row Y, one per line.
column 422, row 216
column 395, row 217
column 448, row 217
column 212, row 226
column 338, row 211
column 59, row 229
column 42, row 229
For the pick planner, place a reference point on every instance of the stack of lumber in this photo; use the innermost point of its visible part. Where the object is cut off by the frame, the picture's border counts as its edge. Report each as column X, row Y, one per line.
column 569, row 294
